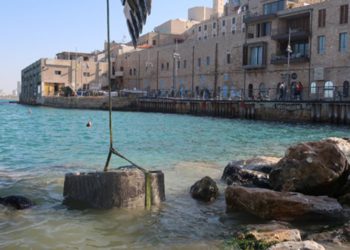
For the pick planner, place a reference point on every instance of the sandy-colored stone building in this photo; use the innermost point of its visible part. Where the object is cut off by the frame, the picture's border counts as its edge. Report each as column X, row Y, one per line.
column 47, row 77
column 241, row 50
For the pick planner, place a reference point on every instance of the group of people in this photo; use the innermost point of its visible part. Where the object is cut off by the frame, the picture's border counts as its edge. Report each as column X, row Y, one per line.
column 296, row 91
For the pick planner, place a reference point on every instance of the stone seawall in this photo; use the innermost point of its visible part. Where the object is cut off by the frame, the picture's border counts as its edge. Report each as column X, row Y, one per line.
column 325, row 112
column 89, row 102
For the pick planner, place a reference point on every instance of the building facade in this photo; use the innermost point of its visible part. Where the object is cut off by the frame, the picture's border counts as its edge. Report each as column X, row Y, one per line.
column 47, row 77
column 264, row 49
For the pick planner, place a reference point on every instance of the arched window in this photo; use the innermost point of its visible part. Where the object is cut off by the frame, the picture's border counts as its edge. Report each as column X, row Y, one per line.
column 313, row 88
column 346, row 89
column 328, row 89
column 250, row 90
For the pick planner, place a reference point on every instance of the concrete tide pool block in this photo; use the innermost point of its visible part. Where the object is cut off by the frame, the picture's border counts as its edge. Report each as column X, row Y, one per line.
column 123, row 188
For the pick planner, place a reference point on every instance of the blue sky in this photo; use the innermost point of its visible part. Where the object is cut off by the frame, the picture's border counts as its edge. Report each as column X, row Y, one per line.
column 32, row 29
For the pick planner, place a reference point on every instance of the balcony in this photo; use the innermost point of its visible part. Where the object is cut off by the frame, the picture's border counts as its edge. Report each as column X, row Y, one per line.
column 254, row 66
column 294, row 58
column 296, row 34
column 252, row 18
column 117, row 74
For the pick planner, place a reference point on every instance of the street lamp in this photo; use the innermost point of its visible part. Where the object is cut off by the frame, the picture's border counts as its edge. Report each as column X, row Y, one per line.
column 176, row 58
column 289, row 51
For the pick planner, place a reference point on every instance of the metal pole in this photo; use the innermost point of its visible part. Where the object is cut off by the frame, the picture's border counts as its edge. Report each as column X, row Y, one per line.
column 216, row 70
column 192, row 87
column 174, row 79
column 157, row 72
column 110, row 89
column 289, row 50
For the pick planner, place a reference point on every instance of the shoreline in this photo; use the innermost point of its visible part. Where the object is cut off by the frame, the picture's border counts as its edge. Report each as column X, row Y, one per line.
column 337, row 113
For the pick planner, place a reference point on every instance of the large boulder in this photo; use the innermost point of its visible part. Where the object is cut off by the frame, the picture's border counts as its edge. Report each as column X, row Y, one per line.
column 342, row 143
column 237, row 174
column 314, row 168
column 295, row 245
column 16, row 202
column 268, row 204
column 205, row 190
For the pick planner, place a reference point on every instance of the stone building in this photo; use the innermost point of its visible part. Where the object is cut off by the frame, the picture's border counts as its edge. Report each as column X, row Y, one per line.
column 248, row 49
column 47, row 77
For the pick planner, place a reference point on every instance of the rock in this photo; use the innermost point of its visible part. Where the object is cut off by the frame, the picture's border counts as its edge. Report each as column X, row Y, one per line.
column 268, row 204
column 264, row 164
column 338, row 235
column 275, row 236
column 342, row 143
column 314, row 168
column 345, row 199
column 205, row 190
column 293, row 245
column 16, row 201
column 237, row 174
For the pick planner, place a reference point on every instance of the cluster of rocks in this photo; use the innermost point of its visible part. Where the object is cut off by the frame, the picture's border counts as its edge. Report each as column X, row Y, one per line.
column 16, row 201
column 311, row 182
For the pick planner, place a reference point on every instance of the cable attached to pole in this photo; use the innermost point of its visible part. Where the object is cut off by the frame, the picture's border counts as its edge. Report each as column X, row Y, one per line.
column 112, row 150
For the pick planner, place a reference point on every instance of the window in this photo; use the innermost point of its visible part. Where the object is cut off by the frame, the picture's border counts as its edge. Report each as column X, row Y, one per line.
column 134, row 71
column 263, row 29
column 271, row 8
column 58, row 72
column 233, row 27
column 313, row 88
column 321, row 40
column 185, row 64
column 178, row 64
column 328, row 89
column 162, row 67
column 343, row 42
column 208, row 60
column 86, row 74
column 322, row 18
column 300, row 49
column 214, row 25
column 223, row 23
column 256, row 55
column 344, row 13
column 154, row 42
column 199, row 62
column 130, row 72
column 228, row 58
column 167, row 66
column 205, row 27
column 200, row 28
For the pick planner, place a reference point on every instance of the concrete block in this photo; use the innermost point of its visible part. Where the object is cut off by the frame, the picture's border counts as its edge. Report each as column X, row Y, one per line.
column 122, row 188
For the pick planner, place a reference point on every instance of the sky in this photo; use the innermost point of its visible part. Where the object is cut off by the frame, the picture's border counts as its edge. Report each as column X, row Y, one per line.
column 34, row 29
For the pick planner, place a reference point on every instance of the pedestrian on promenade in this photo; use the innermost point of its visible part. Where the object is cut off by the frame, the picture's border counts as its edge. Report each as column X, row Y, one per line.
column 299, row 89
column 281, row 91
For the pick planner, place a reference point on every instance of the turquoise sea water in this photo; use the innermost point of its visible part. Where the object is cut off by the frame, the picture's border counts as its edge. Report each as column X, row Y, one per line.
column 39, row 145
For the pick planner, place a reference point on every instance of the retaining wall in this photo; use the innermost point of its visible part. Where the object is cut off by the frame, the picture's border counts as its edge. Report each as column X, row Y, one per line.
column 326, row 112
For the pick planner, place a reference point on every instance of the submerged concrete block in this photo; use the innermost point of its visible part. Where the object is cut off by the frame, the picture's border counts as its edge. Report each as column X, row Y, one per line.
column 122, row 188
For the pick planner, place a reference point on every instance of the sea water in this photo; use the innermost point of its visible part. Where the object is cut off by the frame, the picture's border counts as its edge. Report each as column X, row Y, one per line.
column 38, row 145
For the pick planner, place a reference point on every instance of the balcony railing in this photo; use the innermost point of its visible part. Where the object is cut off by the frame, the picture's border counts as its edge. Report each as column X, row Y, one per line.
column 294, row 58
column 296, row 34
